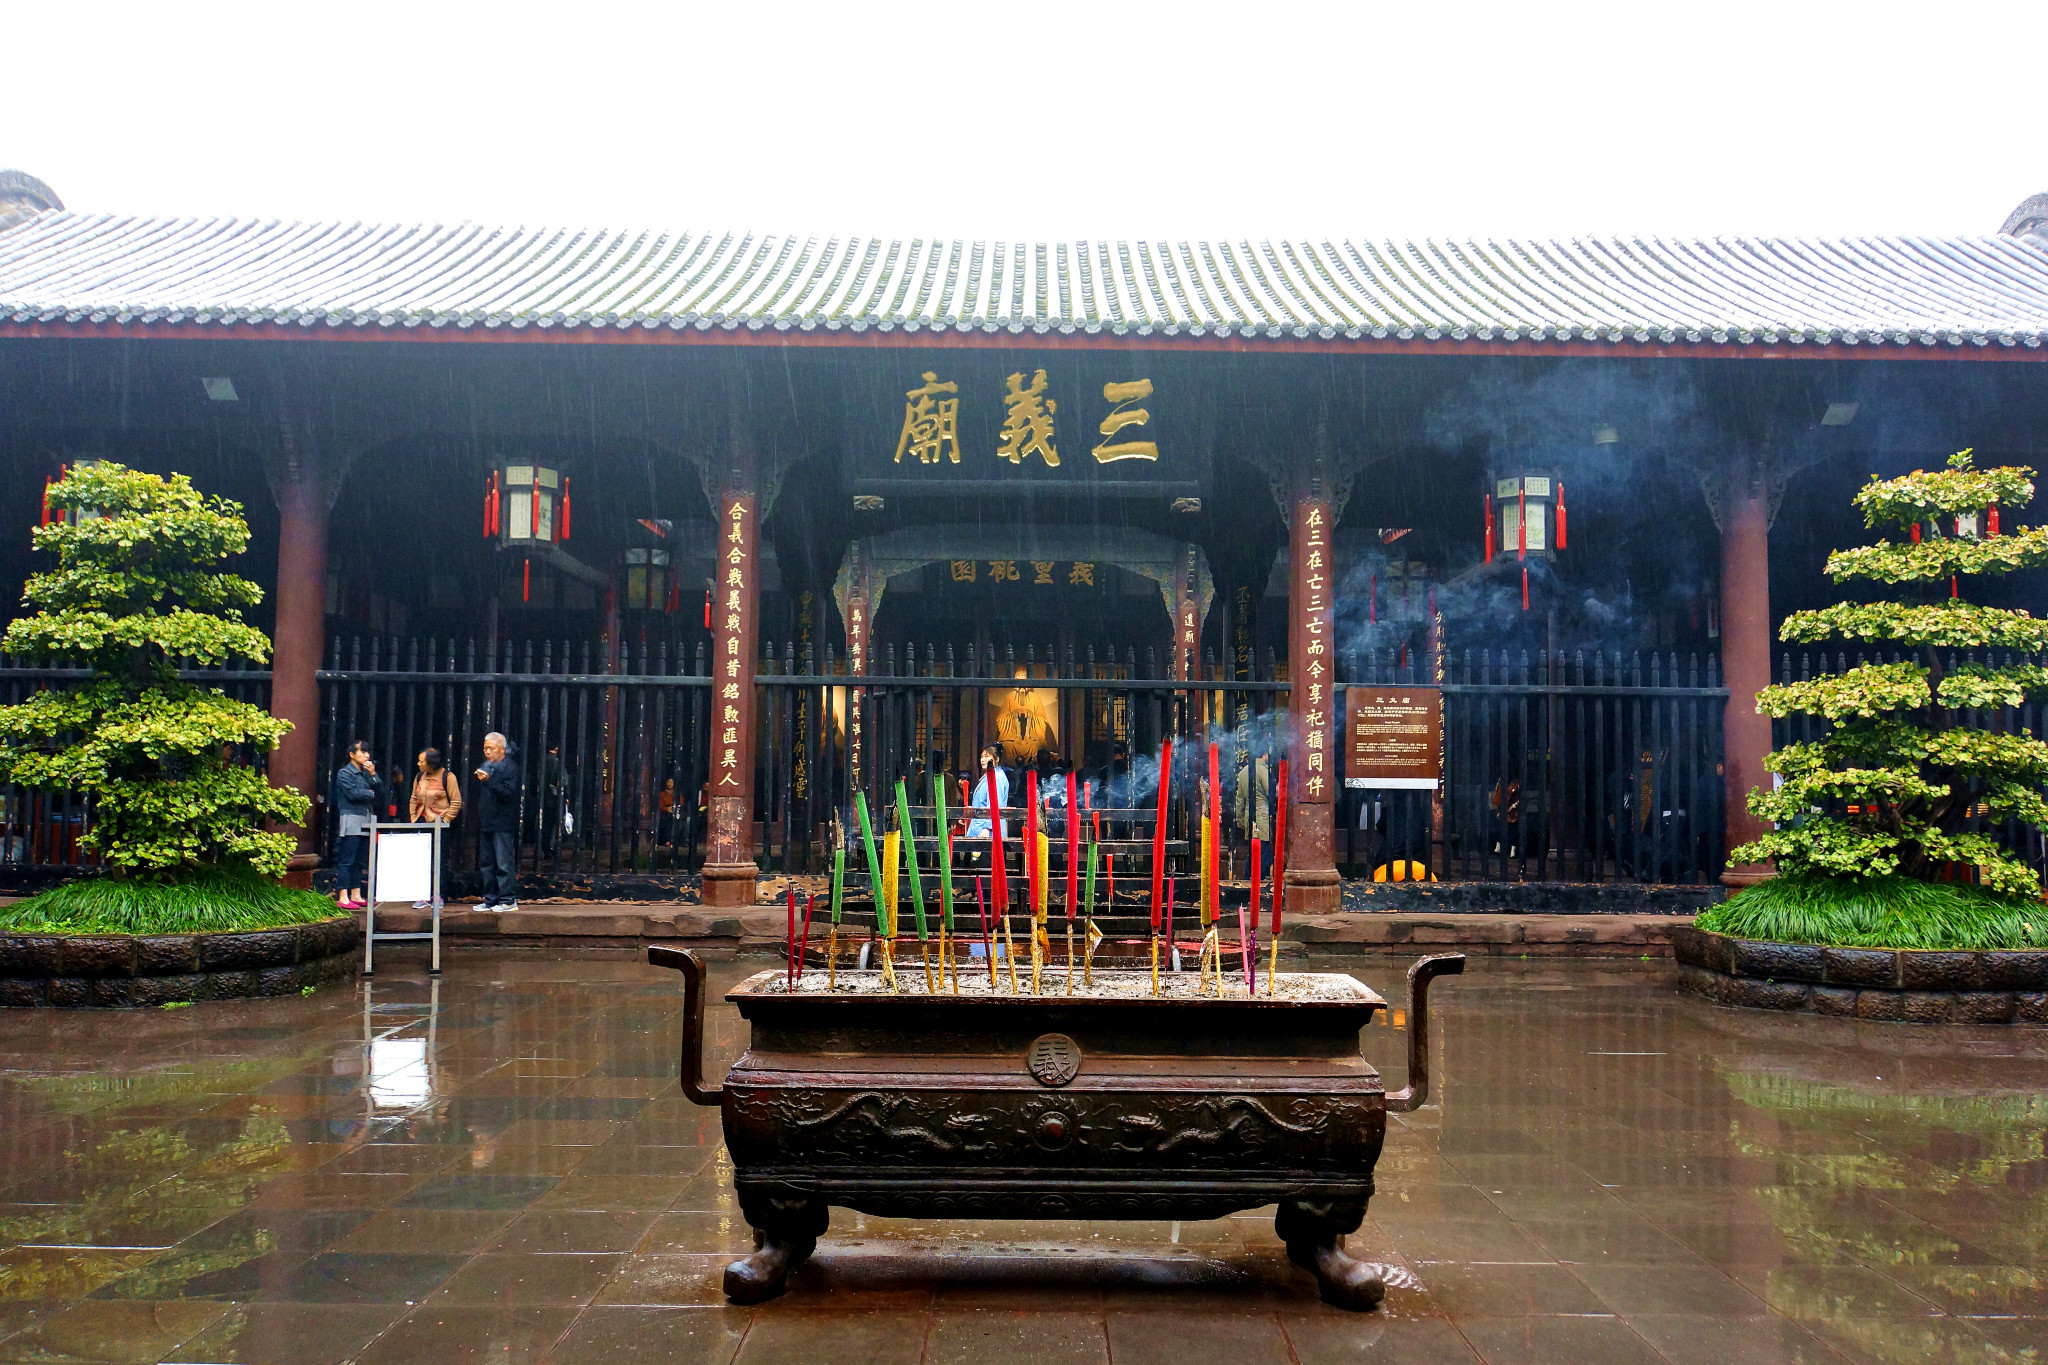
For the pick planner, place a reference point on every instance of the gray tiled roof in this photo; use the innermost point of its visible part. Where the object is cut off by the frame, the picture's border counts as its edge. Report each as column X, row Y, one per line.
column 226, row 272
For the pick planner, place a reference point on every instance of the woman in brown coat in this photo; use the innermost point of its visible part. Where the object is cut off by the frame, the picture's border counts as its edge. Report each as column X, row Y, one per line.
column 435, row 795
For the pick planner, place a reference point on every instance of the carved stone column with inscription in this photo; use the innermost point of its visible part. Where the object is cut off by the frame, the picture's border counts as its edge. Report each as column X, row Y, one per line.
column 1312, row 752
column 729, row 870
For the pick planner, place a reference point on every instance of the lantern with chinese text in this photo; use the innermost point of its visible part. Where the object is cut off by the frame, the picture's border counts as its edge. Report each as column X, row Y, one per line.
column 1526, row 517
column 531, row 505
column 526, row 505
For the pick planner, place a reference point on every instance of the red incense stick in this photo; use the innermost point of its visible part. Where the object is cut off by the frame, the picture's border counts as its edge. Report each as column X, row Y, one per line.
column 1032, row 889
column 999, row 879
column 1169, row 919
column 1255, row 907
column 1247, row 948
column 789, row 954
column 1159, row 827
column 988, row 942
column 1073, row 852
column 1213, row 862
column 804, row 945
column 1280, row 848
column 1255, row 883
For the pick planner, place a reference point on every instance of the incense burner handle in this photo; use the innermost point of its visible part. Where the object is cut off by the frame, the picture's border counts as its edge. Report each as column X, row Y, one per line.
column 1416, row 1092
column 692, row 968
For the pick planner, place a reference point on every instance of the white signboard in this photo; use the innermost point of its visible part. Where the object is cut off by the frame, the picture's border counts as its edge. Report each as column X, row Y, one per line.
column 405, row 866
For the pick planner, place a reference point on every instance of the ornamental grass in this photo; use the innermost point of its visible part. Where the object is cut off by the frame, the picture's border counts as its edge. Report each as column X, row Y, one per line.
column 1880, row 912
column 209, row 901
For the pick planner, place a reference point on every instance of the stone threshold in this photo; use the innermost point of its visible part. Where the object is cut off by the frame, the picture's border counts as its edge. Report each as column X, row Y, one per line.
column 761, row 928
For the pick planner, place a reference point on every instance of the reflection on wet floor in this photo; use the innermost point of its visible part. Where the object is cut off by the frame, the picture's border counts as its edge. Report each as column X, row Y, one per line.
column 499, row 1166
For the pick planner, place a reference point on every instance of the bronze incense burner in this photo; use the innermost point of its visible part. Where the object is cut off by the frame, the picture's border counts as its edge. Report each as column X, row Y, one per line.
column 993, row 1105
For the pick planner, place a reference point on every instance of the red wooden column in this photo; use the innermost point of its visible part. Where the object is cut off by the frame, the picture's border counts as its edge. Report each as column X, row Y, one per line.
column 1745, row 650
column 1313, row 750
column 729, row 870
column 858, row 613
column 302, row 504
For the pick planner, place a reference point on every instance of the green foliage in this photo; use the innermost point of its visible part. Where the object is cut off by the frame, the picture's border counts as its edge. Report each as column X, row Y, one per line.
column 138, row 587
column 1961, row 488
column 211, row 901
column 1920, row 758
column 1879, row 912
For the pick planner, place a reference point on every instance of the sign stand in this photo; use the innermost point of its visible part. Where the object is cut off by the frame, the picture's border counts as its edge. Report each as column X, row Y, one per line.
column 405, row 865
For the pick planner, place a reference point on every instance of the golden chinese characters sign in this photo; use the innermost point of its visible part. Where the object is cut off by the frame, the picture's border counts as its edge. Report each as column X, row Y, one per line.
column 1098, row 425
column 1395, row 739
column 931, row 425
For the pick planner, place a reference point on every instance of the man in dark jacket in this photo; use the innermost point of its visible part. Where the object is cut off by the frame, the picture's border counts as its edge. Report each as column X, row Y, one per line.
column 497, row 804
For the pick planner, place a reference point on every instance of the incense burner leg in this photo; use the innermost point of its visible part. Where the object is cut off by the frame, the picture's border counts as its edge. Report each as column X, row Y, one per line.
column 786, row 1231
column 1314, row 1231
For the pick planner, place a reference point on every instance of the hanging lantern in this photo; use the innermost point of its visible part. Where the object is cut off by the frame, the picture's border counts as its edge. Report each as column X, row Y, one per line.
column 647, row 580
column 1526, row 515
column 528, row 505
column 70, row 515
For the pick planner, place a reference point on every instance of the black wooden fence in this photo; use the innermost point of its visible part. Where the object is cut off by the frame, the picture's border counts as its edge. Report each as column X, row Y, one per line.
column 1587, row 768
column 1577, row 767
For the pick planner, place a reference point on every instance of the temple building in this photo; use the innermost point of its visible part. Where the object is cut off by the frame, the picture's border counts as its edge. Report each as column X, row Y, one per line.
column 1488, row 539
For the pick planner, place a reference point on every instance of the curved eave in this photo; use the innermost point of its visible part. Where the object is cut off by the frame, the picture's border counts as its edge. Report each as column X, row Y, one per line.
column 1234, row 341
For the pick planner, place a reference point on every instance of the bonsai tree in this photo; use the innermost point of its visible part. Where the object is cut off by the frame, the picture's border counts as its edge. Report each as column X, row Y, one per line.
column 138, row 587
column 1888, row 825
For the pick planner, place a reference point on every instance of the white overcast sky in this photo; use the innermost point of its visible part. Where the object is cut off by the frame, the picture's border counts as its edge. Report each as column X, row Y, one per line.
column 1042, row 120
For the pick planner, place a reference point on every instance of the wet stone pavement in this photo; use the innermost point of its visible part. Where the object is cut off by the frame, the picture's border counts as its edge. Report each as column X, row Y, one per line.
column 499, row 1167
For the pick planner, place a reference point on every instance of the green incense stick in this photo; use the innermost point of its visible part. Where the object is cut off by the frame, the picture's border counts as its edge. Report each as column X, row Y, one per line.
column 945, row 858
column 838, row 880
column 1088, row 895
column 867, row 841
column 910, row 856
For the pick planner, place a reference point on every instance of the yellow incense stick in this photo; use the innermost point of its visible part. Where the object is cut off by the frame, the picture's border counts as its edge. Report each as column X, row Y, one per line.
column 1090, row 941
column 1070, row 957
column 889, row 964
column 1155, row 964
column 891, row 856
column 832, row 960
column 1272, row 965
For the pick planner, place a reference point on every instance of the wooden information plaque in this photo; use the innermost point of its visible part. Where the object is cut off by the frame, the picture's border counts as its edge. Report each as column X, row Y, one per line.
column 1395, row 737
